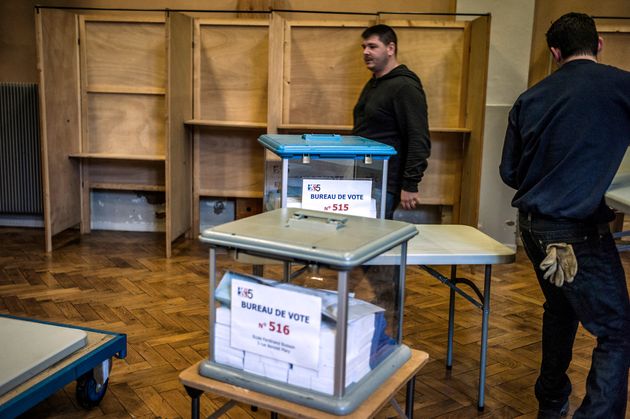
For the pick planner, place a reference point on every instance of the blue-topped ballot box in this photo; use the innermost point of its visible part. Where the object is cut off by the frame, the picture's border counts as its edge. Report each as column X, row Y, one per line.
column 326, row 172
column 320, row 327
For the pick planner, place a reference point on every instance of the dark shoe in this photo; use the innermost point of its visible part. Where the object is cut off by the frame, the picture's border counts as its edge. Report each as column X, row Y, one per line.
column 553, row 412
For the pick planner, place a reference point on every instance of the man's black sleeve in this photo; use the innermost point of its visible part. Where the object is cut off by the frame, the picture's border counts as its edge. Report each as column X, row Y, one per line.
column 512, row 150
column 412, row 117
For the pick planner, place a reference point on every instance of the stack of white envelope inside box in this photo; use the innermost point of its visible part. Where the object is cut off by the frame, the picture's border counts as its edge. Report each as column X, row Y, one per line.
column 358, row 351
column 359, row 346
column 223, row 352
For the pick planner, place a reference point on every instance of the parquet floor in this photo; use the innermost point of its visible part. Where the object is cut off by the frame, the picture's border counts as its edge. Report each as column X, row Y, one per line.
column 120, row 282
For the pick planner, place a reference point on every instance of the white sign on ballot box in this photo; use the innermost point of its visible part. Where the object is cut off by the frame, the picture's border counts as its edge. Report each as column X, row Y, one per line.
column 353, row 197
column 276, row 323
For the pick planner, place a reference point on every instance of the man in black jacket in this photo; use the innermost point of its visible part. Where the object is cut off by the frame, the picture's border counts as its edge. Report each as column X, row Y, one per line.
column 565, row 139
column 392, row 109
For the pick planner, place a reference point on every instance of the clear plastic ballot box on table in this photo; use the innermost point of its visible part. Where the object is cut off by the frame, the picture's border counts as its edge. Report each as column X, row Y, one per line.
column 326, row 172
column 320, row 328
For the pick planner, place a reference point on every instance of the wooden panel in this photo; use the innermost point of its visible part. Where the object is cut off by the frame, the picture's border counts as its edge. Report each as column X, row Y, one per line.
column 616, row 50
column 126, row 172
column 126, row 124
column 233, row 71
column 367, row 6
column 60, row 115
column 436, row 54
column 475, row 119
column 179, row 108
column 125, row 54
column 546, row 11
column 442, row 179
column 276, row 73
column 231, row 161
column 322, row 84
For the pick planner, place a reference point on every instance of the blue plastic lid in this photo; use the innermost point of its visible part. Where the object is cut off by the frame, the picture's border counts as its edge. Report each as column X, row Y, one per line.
column 325, row 146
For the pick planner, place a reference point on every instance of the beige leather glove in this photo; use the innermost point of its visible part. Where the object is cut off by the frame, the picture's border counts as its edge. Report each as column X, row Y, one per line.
column 560, row 265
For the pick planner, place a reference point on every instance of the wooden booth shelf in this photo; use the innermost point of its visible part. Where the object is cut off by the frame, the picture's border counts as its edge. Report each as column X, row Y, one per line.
column 226, row 124
column 113, row 156
column 127, row 187
column 200, row 91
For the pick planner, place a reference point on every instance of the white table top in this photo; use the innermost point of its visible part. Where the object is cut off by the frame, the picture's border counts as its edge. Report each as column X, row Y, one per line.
column 618, row 195
column 447, row 244
column 28, row 348
column 435, row 244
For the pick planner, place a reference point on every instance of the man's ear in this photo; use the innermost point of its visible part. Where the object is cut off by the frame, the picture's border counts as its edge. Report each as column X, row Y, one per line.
column 556, row 54
column 391, row 49
column 600, row 44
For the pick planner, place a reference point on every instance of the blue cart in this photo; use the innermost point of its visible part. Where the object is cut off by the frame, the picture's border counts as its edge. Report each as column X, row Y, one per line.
column 87, row 359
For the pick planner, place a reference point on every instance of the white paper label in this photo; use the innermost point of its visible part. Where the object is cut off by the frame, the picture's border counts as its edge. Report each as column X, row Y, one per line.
column 352, row 197
column 276, row 323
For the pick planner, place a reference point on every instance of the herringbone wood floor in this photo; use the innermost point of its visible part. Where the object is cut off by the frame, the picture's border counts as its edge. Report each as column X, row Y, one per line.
column 120, row 282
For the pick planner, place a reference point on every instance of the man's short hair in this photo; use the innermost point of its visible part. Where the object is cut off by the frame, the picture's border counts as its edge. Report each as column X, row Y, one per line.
column 573, row 34
column 385, row 34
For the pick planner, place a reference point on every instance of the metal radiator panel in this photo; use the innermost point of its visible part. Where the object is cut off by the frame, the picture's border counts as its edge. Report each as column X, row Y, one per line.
column 20, row 165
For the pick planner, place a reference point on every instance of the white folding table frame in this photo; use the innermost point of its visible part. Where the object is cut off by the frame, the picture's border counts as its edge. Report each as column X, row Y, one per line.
column 444, row 244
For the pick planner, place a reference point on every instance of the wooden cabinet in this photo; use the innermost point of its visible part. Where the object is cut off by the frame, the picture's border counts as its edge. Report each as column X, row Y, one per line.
column 174, row 104
column 294, row 74
column 116, row 90
column 318, row 85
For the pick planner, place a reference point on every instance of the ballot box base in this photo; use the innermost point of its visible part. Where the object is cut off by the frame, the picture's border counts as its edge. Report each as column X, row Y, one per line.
column 355, row 394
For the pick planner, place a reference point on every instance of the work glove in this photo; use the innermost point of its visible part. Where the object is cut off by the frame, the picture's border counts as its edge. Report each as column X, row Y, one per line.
column 560, row 264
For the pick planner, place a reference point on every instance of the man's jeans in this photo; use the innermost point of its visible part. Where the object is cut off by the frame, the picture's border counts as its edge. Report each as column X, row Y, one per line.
column 597, row 298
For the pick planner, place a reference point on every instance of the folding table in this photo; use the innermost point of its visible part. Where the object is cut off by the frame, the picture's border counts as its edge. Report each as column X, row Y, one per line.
column 443, row 244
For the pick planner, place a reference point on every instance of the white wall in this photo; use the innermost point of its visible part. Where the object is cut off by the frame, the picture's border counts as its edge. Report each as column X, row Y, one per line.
column 510, row 44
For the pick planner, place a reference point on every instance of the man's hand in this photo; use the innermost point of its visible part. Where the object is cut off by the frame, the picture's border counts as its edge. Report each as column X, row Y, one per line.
column 560, row 265
column 408, row 200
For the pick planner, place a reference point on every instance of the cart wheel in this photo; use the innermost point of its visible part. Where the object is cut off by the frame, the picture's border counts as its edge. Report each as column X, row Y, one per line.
column 89, row 393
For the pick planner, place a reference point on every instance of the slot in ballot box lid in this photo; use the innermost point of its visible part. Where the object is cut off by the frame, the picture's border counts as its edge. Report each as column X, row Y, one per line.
column 325, row 146
column 339, row 241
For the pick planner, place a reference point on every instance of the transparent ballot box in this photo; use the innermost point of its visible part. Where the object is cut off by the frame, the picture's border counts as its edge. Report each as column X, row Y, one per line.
column 326, row 172
column 295, row 311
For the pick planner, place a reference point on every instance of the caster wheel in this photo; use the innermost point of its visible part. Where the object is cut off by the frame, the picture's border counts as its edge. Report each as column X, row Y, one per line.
column 89, row 393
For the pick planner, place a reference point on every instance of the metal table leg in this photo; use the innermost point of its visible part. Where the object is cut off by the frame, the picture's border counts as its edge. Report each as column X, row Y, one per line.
column 484, row 336
column 482, row 301
column 411, row 386
column 451, row 320
column 194, row 396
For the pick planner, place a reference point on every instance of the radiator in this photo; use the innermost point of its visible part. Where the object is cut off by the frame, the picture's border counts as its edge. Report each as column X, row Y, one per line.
column 20, row 169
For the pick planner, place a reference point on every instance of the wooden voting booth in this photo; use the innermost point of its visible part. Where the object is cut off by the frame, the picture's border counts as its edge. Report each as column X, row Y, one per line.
column 173, row 104
column 114, row 92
